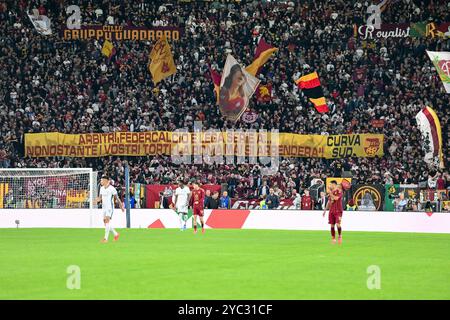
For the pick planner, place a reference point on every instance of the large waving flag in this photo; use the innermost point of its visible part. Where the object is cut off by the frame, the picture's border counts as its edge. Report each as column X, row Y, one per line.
column 108, row 49
column 236, row 88
column 41, row 23
column 162, row 64
column 441, row 61
column 216, row 77
column 311, row 87
column 430, row 129
column 262, row 54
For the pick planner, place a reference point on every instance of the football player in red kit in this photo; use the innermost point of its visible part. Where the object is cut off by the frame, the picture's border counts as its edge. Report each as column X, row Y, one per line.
column 335, row 213
column 198, row 200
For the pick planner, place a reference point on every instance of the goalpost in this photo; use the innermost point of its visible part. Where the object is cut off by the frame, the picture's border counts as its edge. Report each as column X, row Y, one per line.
column 48, row 188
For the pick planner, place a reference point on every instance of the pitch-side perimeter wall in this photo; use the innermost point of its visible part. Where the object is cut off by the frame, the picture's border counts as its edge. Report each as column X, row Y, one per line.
column 236, row 219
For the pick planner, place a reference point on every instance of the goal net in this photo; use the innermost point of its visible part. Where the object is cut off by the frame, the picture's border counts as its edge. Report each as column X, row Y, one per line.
column 47, row 188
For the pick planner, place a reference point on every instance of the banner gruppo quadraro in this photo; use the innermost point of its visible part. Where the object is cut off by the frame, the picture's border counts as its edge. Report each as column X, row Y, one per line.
column 211, row 143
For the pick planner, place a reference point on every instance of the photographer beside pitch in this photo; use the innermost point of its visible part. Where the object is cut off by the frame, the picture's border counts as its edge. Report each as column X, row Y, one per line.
column 335, row 213
column 107, row 195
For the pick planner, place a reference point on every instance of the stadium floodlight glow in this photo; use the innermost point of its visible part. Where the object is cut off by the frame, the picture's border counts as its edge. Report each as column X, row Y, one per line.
column 48, row 188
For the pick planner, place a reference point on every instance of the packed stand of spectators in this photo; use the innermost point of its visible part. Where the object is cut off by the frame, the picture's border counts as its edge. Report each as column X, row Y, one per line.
column 48, row 84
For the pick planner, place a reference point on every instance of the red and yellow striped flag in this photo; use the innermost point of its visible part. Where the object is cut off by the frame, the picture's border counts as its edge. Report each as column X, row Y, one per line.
column 311, row 87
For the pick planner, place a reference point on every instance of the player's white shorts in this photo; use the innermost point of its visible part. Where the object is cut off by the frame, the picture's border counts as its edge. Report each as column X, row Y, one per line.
column 108, row 213
column 182, row 209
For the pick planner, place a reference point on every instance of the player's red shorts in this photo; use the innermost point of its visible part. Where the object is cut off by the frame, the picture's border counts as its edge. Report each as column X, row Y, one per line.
column 334, row 217
column 198, row 211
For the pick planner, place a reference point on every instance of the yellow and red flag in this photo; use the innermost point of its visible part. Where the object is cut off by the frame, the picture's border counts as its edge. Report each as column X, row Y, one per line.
column 162, row 64
column 108, row 49
column 311, row 87
column 264, row 93
column 216, row 78
column 430, row 128
column 262, row 54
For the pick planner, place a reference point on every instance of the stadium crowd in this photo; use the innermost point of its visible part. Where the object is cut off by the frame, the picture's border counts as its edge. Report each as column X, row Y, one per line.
column 48, row 84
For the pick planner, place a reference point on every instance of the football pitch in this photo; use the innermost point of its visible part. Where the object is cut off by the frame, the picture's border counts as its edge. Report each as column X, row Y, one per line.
column 222, row 264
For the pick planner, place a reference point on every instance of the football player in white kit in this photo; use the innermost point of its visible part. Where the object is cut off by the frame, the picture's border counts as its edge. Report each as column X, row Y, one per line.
column 107, row 195
column 181, row 201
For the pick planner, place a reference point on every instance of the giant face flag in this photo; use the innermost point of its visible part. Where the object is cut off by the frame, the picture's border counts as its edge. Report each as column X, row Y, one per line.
column 310, row 85
column 236, row 88
column 162, row 64
column 430, row 128
column 441, row 61
column 263, row 52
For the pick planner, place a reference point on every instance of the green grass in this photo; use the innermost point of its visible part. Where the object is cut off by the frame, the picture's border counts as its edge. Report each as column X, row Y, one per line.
column 222, row 264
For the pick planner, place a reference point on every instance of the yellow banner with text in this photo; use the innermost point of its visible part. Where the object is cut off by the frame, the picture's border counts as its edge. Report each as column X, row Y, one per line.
column 212, row 143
